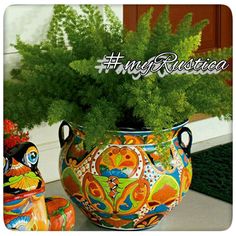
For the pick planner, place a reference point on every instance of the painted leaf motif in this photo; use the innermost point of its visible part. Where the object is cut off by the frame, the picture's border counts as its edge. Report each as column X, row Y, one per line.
column 133, row 198
column 118, row 159
column 165, row 191
column 123, row 183
column 106, row 159
column 104, row 183
column 94, row 192
column 31, row 175
column 28, row 181
column 164, row 194
column 71, row 181
column 13, row 180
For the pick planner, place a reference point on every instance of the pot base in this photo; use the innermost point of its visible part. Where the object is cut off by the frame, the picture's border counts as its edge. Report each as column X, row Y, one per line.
column 121, row 229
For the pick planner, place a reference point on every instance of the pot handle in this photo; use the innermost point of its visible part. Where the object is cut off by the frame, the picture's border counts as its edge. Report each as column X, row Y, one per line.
column 61, row 136
column 186, row 148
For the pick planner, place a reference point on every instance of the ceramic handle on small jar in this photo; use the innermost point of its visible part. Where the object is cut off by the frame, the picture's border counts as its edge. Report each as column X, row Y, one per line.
column 61, row 134
column 185, row 147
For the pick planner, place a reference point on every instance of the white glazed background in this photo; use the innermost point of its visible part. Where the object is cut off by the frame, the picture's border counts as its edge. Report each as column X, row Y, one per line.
column 31, row 23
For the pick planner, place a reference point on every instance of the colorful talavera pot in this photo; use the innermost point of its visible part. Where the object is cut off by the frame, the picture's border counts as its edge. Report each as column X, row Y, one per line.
column 131, row 183
column 25, row 207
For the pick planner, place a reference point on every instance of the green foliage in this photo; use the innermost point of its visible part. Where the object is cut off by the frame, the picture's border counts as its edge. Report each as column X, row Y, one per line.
column 136, row 43
column 184, row 26
column 187, row 47
column 100, row 118
column 57, row 79
column 61, row 109
column 161, row 35
column 217, row 54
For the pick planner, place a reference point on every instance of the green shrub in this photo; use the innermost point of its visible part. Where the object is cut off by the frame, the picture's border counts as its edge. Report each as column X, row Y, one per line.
column 56, row 79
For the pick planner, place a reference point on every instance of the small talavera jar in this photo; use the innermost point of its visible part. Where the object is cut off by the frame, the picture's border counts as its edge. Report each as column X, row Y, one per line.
column 25, row 205
column 131, row 183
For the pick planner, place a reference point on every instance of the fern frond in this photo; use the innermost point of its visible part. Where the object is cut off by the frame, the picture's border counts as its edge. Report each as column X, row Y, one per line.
column 186, row 48
column 217, row 54
column 136, row 43
column 198, row 27
column 161, row 35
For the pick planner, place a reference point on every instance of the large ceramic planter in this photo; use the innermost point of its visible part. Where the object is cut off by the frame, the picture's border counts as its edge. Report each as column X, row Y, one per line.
column 133, row 182
column 25, row 205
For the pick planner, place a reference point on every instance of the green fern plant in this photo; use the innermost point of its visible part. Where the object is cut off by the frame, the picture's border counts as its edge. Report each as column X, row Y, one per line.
column 57, row 79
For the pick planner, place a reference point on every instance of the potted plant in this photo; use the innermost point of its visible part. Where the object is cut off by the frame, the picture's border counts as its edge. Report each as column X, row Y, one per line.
column 125, row 123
